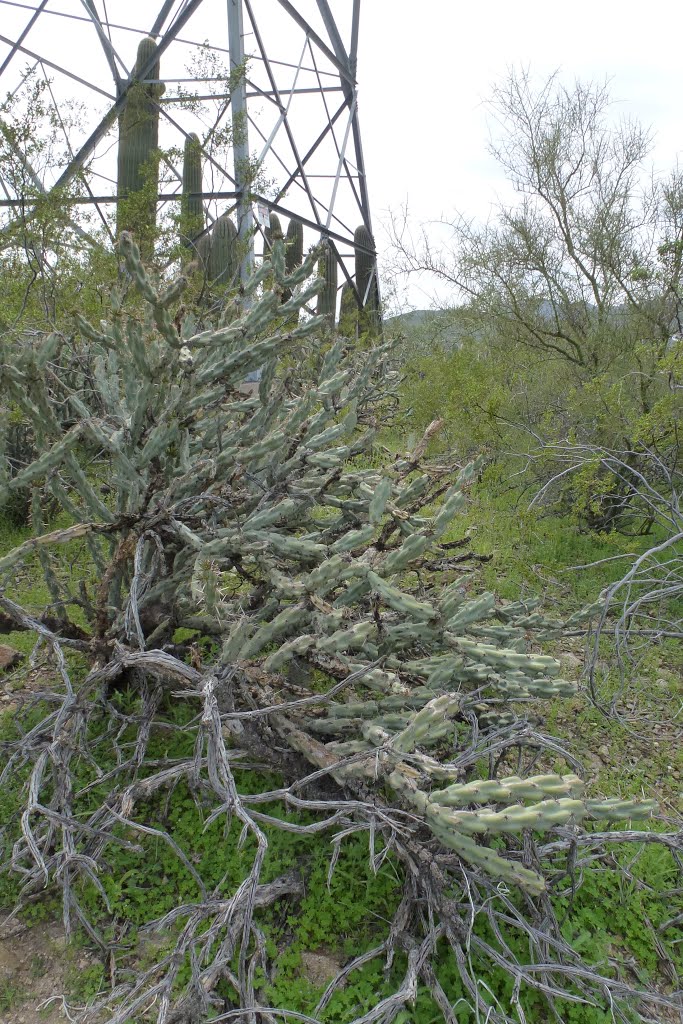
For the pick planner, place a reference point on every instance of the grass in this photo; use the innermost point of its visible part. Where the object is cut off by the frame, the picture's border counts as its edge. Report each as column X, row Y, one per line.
column 9, row 994
column 535, row 553
column 28, row 585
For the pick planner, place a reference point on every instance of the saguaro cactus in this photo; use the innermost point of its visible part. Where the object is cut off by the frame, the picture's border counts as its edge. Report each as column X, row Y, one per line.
column 138, row 172
column 294, row 255
column 274, row 229
column 192, row 207
column 327, row 299
column 348, row 312
column 366, row 278
column 294, row 245
column 223, row 257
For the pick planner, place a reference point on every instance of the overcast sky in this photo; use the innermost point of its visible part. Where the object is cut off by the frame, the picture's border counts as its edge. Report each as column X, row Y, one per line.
column 426, row 69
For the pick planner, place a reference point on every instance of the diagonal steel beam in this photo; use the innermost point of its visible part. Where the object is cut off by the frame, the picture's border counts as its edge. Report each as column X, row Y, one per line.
column 312, row 34
column 331, row 27
column 351, row 106
column 353, row 51
column 284, row 110
column 303, row 185
column 341, row 164
column 324, row 133
column 333, row 31
column 109, row 51
column 288, row 129
column 70, row 151
column 339, row 48
column 56, row 67
column 39, row 187
column 17, row 46
column 161, row 17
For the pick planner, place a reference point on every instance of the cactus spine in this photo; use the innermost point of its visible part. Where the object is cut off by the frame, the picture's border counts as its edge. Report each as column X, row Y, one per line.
column 192, row 207
column 327, row 299
column 138, row 171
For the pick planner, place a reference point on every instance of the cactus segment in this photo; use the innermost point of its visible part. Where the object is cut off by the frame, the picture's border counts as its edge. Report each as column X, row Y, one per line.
column 294, row 246
column 500, row 658
column 348, row 312
column 490, row 861
column 192, row 206
column 272, row 231
column 509, row 790
column 427, row 723
column 223, row 263
column 472, row 611
column 366, row 279
column 327, row 298
column 399, row 600
column 379, row 500
column 138, row 167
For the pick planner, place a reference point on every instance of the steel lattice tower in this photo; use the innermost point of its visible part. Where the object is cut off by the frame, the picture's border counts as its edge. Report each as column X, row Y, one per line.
column 296, row 104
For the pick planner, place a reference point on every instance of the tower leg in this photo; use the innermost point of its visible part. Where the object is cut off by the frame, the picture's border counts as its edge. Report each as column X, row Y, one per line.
column 238, row 103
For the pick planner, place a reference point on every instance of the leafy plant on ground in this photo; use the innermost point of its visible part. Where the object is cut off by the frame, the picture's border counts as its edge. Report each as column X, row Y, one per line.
column 251, row 521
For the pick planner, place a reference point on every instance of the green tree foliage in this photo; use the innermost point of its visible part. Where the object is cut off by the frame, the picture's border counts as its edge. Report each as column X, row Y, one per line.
column 571, row 294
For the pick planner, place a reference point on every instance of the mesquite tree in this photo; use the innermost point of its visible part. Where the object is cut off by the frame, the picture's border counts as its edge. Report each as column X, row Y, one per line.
column 259, row 522
column 569, row 297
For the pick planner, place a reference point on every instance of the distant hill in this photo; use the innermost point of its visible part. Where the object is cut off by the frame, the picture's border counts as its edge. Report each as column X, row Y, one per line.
column 428, row 326
column 413, row 318
column 423, row 328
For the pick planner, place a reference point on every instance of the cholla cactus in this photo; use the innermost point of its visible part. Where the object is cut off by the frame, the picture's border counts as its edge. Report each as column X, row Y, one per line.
column 328, row 543
column 250, row 518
